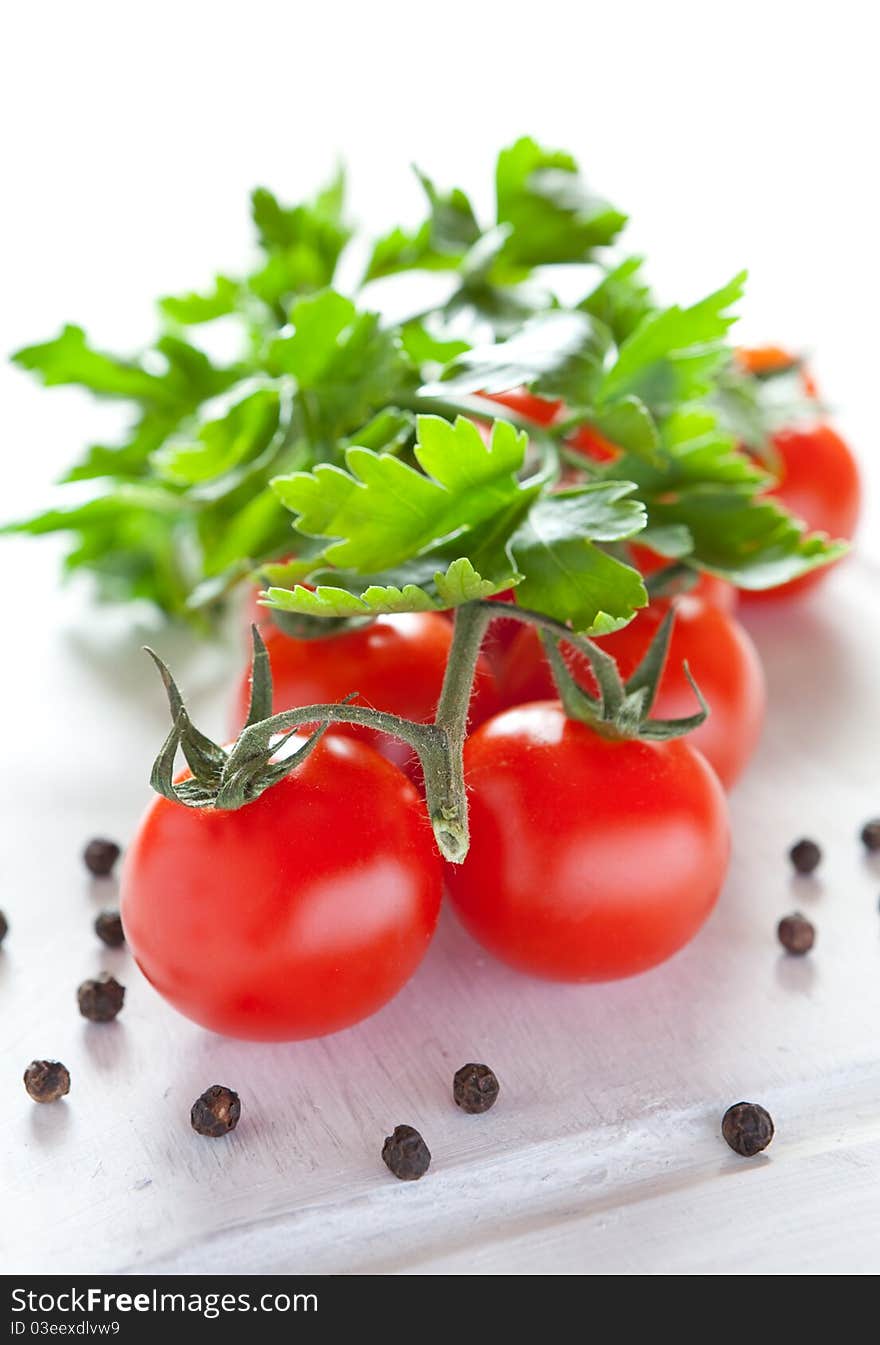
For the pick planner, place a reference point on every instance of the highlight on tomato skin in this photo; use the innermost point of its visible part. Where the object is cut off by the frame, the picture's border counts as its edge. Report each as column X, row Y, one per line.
column 590, row 860
column 395, row 664
column 297, row 915
column 721, row 657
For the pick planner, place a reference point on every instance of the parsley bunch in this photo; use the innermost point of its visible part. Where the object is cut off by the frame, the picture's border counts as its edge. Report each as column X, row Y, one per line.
column 407, row 489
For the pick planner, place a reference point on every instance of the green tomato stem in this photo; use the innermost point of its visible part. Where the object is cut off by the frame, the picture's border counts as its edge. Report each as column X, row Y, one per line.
column 444, row 771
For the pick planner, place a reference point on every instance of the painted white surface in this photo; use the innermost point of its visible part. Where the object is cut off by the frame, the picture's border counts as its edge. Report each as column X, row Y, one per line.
column 603, row 1153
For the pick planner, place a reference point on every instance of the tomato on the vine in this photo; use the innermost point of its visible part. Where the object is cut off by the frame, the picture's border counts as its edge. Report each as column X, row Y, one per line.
column 296, row 915
column 722, row 660
column 590, row 859
column 395, row 664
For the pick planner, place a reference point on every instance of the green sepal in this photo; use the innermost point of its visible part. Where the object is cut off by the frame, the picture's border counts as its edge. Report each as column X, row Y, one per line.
column 260, row 706
column 622, row 709
column 216, row 781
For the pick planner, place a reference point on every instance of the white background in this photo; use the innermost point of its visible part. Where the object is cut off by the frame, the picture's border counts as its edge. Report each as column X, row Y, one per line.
column 733, row 136
column 741, row 135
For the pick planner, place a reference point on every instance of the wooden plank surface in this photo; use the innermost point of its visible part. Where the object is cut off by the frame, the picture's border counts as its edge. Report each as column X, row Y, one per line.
column 603, row 1153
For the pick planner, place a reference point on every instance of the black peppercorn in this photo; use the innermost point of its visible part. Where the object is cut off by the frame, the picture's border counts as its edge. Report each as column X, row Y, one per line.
column 101, row 999
column 216, row 1112
column 475, row 1088
column 870, row 834
column 108, row 927
column 805, row 856
column 748, row 1128
column 406, row 1154
column 796, row 934
column 4, row 926
column 47, row 1080
column 100, row 855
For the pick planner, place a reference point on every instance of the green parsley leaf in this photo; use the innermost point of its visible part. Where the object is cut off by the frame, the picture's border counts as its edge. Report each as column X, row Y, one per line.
column 382, row 512
column 621, row 300
column 439, row 244
column 343, row 362
column 554, row 217
column 467, row 505
column 705, row 491
column 303, row 243
column 673, row 354
column 629, row 425
column 243, row 433
column 191, row 309
column 460, row 583
column 556, row 352
column 69, row 359
column 566, row 576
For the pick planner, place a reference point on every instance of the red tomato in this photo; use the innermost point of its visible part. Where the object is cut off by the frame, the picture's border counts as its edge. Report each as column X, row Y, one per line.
column 719, row 653
column 589, row 859
column 709, row 587
column 527, row 405
column 396, row 664
column 296, row 915
column 820, row 484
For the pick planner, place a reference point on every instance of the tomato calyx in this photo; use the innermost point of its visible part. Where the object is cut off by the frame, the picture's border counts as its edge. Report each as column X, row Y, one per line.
column 230, row 778
column 213, row 784
column 621, row 709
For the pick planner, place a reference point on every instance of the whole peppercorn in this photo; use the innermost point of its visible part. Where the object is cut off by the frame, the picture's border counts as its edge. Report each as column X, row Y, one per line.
column 796, row 934
column 4, row 926
column 101, row 999
column 805, row 856
column 870, row 834
column 47, row 1080
column 108, row 927
column 475, row 1088
column 406, row 1154
column 216, row 1112
column 748, row 1128
column 100, row 855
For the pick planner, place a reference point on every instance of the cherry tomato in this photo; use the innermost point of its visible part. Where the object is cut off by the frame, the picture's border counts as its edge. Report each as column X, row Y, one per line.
column 395, row 664
column 589, row 859
column 719, row 653
column 298, row 914
column 819, row 483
